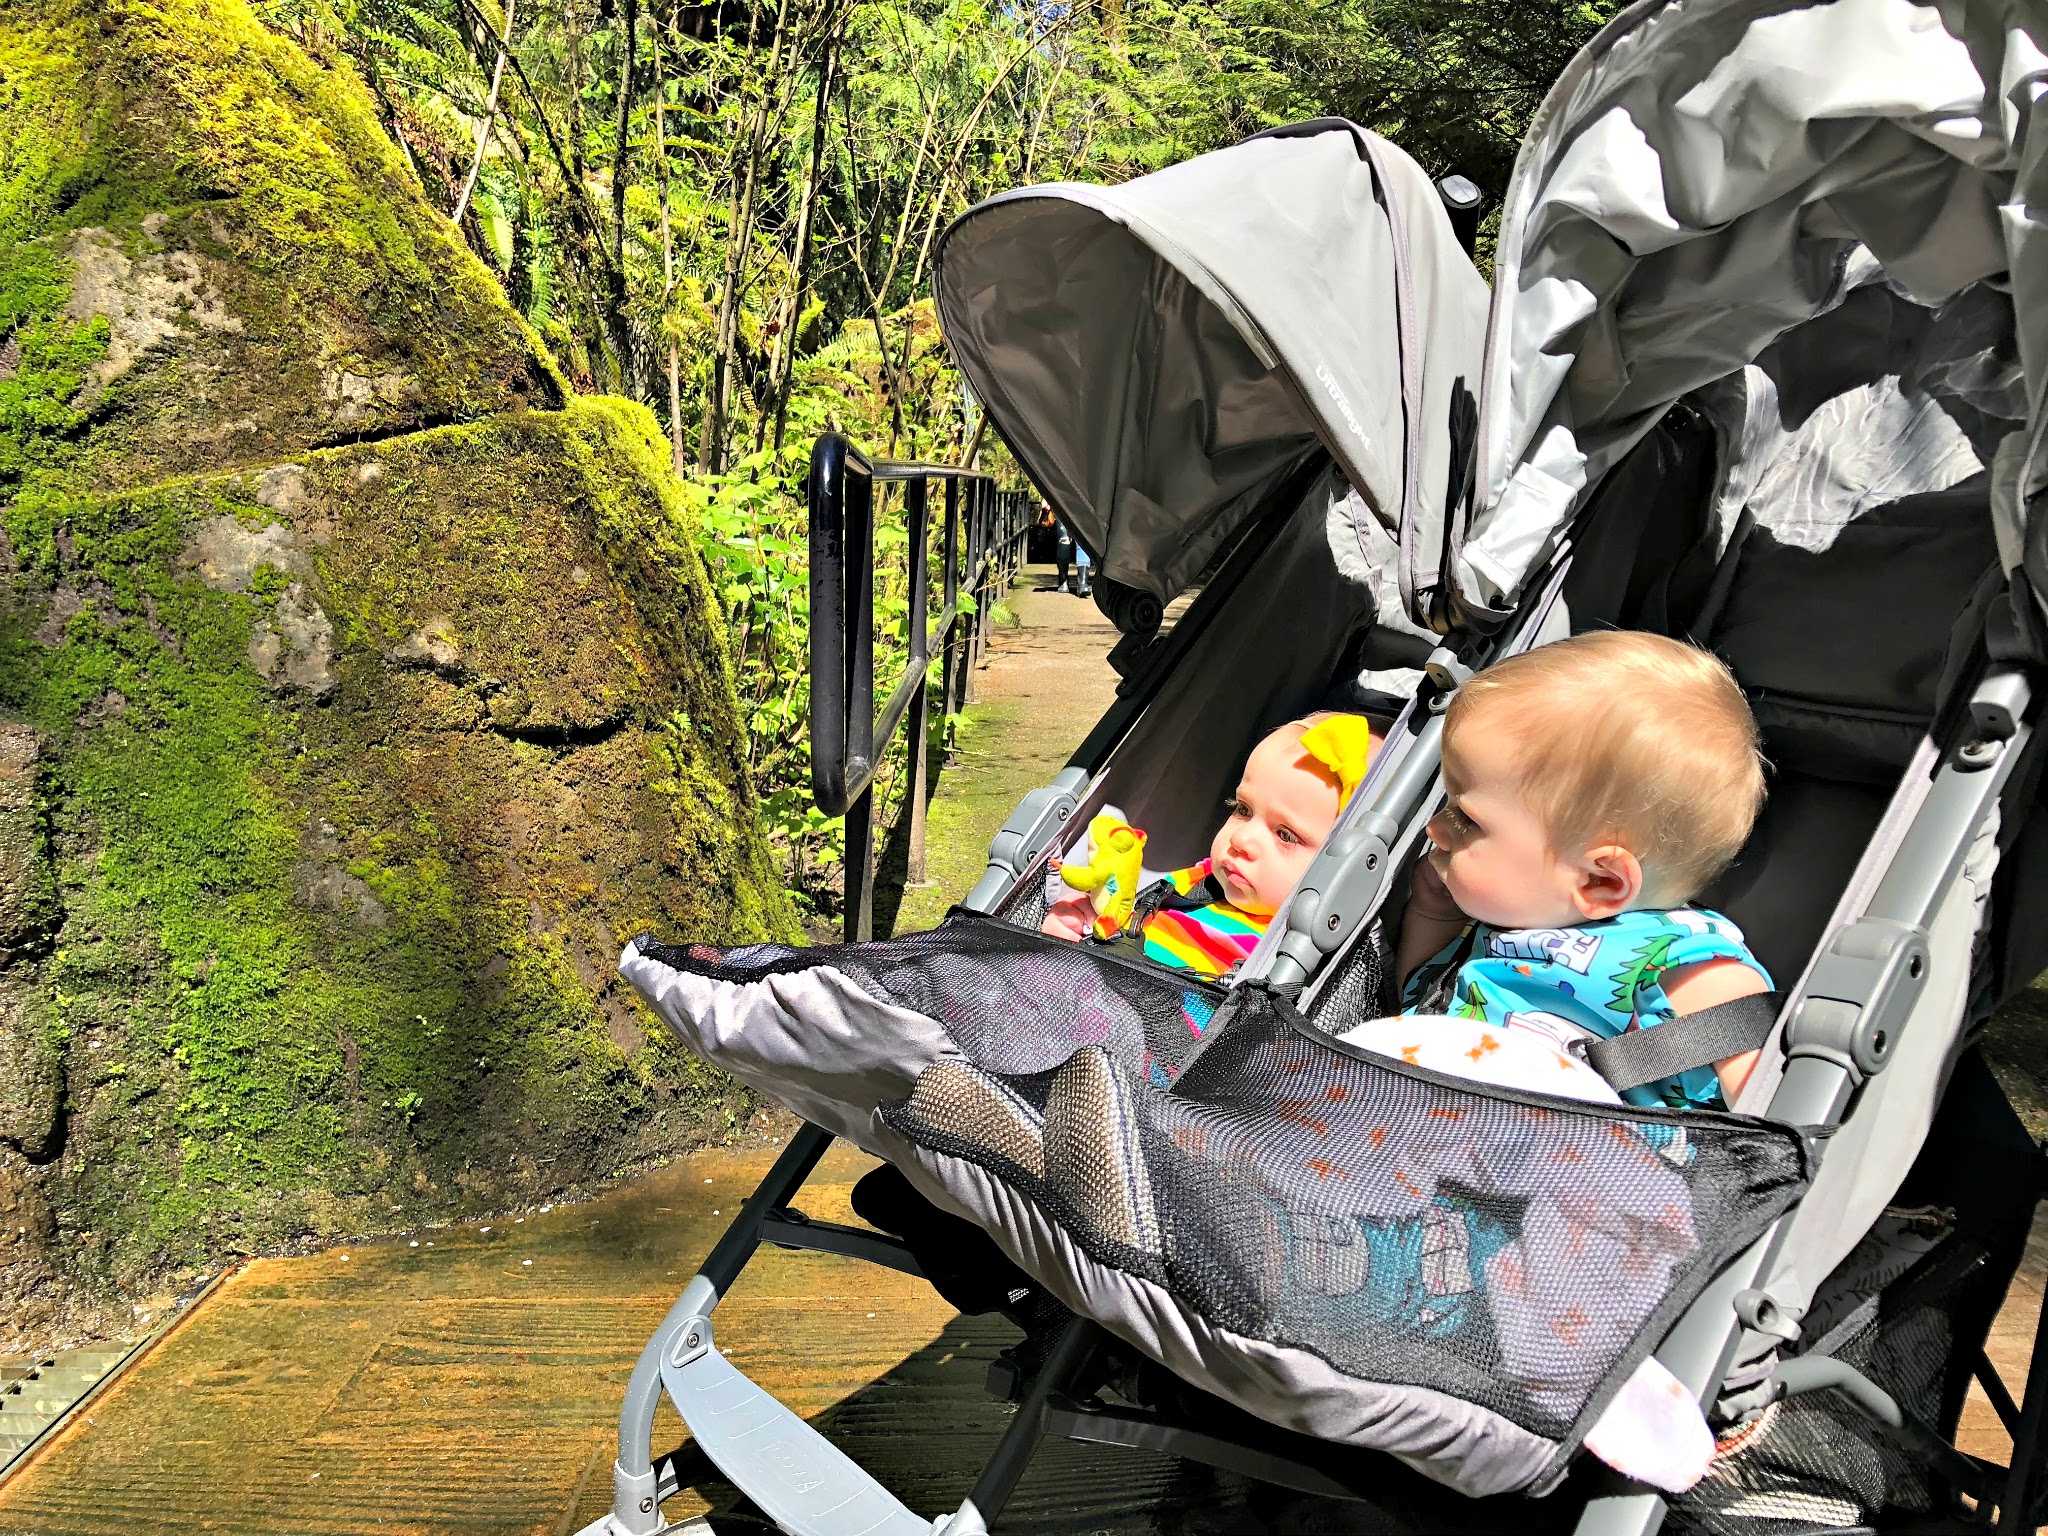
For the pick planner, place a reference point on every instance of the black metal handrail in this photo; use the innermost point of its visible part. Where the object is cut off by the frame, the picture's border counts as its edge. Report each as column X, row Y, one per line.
column 981, row 552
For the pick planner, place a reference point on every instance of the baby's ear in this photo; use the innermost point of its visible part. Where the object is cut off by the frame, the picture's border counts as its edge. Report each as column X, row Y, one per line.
column 1610, row 880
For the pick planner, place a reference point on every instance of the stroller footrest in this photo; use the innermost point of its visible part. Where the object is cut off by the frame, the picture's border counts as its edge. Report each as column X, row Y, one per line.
column 798, row 1478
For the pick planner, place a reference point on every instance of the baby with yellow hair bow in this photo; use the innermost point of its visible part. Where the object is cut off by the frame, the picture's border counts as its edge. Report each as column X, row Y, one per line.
column 1208, row 917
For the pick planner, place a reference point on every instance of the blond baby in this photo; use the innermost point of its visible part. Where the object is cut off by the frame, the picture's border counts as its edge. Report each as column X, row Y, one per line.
column 1593, row 787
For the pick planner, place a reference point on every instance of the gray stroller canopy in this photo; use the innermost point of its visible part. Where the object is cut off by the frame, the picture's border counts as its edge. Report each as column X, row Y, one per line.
column 1704, row 178
column 1159, row 354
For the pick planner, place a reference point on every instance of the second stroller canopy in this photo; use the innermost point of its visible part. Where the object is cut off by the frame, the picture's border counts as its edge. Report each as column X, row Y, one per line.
column 1159, row 354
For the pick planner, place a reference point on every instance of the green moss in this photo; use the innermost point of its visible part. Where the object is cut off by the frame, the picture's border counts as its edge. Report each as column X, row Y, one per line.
column 363, row 761
column 321, row 929
column 52, row 358
column 52, row 138
column 321, row 297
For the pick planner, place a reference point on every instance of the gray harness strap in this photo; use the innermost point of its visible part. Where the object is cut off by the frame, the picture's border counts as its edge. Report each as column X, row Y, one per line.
column 1691, row 1040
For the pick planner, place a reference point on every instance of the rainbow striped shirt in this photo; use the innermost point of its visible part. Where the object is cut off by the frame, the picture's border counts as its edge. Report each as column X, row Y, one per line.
column 1208, row 937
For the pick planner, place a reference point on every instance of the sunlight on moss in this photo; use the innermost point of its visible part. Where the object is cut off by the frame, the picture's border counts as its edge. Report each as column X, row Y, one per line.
column 360, row 758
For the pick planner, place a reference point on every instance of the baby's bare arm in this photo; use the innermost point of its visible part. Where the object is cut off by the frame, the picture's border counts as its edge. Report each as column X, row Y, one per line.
column 1431, row 921
column 1710, row 983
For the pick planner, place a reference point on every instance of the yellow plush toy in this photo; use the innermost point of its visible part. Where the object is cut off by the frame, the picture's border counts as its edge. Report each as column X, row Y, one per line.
column 1110, row 876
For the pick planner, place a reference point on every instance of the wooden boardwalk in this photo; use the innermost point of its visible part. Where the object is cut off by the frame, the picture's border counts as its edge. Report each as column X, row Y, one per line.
column 473, row 1387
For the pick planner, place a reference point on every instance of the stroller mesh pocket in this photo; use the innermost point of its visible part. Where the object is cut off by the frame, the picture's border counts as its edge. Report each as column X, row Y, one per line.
column 1815, row 1462
column 1013, row 1000
column 1442, row 1256
column 1515, row 1251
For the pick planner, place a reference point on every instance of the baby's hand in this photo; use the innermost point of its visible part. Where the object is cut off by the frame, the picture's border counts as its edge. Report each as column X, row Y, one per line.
column 1070, row 919
column 1428, row 896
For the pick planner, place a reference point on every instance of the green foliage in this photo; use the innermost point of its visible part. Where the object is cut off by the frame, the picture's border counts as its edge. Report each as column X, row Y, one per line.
column 50, row 151
column 756, row 284
column 236, row 192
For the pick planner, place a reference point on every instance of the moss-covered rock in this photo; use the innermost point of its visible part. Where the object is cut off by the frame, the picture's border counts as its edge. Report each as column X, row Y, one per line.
column 367, row 692
column 186, row 176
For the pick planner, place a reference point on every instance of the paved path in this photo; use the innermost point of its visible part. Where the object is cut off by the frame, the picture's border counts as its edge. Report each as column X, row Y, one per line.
column 467, row 1379
column 1045, row 685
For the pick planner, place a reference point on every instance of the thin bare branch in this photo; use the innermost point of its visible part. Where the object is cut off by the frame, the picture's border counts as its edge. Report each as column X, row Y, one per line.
column 490, row 113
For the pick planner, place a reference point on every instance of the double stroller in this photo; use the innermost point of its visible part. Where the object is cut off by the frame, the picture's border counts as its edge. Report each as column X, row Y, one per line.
column 1762, row 368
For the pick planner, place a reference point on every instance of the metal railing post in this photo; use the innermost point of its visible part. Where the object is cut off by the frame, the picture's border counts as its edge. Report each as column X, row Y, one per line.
column 955, row 630
column 859, row 919
column 977, row 564
column 916, row 517
column 848, row 739
column 857, row 925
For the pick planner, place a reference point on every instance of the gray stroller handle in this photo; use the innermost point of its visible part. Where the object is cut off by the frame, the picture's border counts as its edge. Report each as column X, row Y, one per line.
column 1841, row 1027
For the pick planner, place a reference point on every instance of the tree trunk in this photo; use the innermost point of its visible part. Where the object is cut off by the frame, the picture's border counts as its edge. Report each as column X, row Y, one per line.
column 668, row 259
column 1045, row 101
column 739, row 234
column 619, row 331
column 581, row 214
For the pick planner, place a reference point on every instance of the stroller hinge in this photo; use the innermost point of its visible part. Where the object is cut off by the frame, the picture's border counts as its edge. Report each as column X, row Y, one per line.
column 1860, row 993
column 1761, row 1312
column 1447, row 671
column 1749, row 1382
column 635, row 1508
column 1039, row 819
column 1342, row 885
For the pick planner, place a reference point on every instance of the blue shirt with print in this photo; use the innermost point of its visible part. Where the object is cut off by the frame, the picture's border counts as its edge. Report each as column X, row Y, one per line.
column 1604, row 978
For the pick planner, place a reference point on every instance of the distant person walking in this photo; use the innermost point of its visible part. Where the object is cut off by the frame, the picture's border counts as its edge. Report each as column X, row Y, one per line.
column 1070, row 553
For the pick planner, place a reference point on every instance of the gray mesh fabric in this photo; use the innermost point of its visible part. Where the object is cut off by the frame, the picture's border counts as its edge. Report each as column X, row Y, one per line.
column 1407, row 1229
column 1010, row 1001
column 1510, row 1253
column 1895, row 1311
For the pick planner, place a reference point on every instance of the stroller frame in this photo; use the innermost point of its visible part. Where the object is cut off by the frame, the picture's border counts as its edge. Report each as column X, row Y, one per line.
column 1843, row 1021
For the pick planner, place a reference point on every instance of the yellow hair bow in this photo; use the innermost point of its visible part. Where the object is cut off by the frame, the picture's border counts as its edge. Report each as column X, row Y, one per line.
column 1342, row 744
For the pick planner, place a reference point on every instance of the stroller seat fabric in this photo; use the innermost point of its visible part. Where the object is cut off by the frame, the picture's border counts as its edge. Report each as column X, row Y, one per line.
column 1344, row 1245
column 836, row 1031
